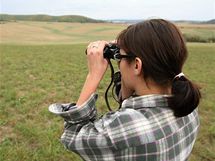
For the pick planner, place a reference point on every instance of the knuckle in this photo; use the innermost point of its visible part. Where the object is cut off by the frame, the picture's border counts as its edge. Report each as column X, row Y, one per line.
column 90, row 53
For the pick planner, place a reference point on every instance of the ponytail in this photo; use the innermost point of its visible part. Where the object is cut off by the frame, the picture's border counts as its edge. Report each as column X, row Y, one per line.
column 186, row 96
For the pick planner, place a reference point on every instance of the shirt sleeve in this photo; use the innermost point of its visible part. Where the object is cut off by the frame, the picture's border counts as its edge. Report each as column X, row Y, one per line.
column 83, row 133
column 74, row 114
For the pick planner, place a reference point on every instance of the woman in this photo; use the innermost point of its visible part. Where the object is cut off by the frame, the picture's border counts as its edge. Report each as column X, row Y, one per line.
column 158, row 119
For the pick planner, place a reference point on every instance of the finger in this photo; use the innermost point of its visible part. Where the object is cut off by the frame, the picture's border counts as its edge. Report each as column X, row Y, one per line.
column 90, row 47
column 92, row 44
column 96, row 46
column 102, row 45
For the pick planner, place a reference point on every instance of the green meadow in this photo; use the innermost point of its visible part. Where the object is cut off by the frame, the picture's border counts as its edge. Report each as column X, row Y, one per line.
column 43, row 63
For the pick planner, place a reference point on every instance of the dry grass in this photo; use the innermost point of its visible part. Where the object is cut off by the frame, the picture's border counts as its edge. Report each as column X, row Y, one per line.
column 25, row 32
column 54, row 32
column 196, row 26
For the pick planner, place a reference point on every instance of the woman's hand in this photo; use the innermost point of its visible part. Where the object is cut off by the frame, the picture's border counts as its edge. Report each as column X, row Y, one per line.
column 97, row 67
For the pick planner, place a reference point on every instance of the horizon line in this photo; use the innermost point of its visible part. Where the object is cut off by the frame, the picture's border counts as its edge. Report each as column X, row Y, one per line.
column 114, row 19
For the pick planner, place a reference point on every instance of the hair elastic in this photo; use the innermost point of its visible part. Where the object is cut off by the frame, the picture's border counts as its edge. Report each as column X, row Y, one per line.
column 179, row 75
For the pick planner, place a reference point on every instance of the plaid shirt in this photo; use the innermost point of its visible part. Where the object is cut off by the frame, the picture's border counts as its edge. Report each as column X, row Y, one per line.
column 144, row 129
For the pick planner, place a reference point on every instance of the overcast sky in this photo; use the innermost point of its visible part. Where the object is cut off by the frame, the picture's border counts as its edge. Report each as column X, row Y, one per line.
column 113, row 9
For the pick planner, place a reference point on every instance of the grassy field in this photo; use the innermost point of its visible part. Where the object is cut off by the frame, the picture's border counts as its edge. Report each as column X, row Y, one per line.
column 38, row 72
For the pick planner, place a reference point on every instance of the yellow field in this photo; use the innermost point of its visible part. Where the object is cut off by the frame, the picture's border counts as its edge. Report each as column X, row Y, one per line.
column 54, row 32
column 25, row 32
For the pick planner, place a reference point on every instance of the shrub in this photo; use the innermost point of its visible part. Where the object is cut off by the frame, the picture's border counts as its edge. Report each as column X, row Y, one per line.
column 193, row 38
column 196, row 38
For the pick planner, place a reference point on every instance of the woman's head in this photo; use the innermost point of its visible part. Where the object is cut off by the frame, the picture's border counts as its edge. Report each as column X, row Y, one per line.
column 161, row 47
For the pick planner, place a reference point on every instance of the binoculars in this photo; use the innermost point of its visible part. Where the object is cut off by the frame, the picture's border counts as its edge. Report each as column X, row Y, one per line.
column 111, row 51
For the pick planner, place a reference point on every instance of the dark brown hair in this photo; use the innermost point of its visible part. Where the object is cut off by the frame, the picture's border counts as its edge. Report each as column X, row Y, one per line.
column 162, row 49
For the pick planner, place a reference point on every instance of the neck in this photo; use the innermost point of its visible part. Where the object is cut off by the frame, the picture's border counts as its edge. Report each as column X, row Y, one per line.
column 150, row 87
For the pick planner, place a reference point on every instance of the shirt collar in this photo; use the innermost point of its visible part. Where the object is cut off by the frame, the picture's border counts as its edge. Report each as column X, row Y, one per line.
column 154, row 100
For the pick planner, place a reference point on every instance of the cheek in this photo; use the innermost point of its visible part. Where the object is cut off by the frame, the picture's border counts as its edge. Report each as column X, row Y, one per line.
column 126, row 79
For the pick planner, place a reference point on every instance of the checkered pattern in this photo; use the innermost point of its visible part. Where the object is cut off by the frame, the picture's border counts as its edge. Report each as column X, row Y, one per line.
column 144, row 129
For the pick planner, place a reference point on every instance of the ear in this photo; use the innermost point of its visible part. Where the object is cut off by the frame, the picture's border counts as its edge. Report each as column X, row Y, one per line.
column 138, row 66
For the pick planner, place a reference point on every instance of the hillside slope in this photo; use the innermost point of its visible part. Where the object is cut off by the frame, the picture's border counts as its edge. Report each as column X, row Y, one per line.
column 47, row 18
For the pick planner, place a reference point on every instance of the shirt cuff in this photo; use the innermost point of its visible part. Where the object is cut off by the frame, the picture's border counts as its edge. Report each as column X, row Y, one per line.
column 75, row 114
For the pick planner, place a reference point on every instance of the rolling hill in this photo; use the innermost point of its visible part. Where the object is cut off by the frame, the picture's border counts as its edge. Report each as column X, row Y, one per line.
column 48, row 18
